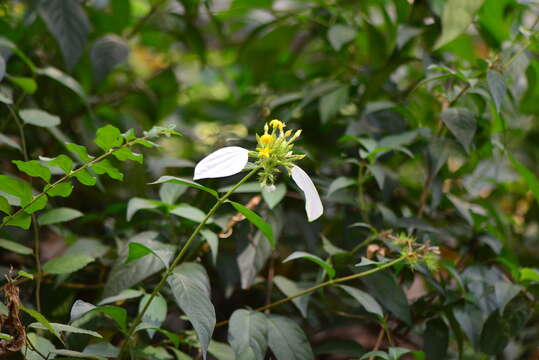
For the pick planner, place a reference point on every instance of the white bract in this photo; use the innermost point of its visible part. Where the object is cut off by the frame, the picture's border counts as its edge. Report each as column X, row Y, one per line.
column 274, row 151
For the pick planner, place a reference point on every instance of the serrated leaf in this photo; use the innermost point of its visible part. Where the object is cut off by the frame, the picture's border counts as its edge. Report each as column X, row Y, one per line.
column 305, row 255
column 39, row 317
column 191, row 289
column 340, row 34
column 67, row 264
column 15, row 247
column 85, row 178
column 366, row 300
column 287, row 340
column 462, row 125
column 107, row 53
column 63, row 189
column 247, row 334
column 189, row 212
column 67, row 22
column 256, row 220
column 39, row 117
column 456, row 17
column 126, row 153
column 108, row 137
column 58, row 215
column 80, row 150
column 34, row 169
column 66, row 328
column 176, row 180
column 105, row 167
column 63, row 162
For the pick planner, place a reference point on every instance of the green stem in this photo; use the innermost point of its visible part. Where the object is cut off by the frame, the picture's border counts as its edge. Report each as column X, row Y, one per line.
column 324, row 284
column 179, row 257
column 89, row 164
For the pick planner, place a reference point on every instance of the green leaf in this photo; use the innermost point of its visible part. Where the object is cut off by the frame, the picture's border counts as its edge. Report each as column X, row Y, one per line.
column 39, row 117
column 65, row 80
column 189, row 212
column 495, row 334
column 497, row 88
column 107, row 53
column 305, row 255
column 63, row 189
column 58, row 215
column 274, row 197
column 462, row 125
column 470, row 320
column 7, row 140
column 436, row 339
column 67, row 264
column 213, row 241
column 25, row 274
column 191, row 289
column 125, row 153
column 2, row 68
column 108, row 137
column 136, row 204
column 176, row 180
column 383, row 286
column 340, row 34
column 85, row 178
column 287, row 340
column 456, row 17
column 247, row 334
column 15, row 247
column 67, row 22
column 340, row 183
column 38, row 204
column 80, row 150
column 44, row 346
column 4, row 206
column 6, row 97
column 36, row 315
column 16, row 187
column 256, row 220
column 289, row 288
column 34, row 169
column 331, row 103
column 63, row 162
column 366, row 300
column 156, row 313
column 170, row 192
column 66, row 328
column 123, row 276
column 22, row 220
column 529, row 274
column 28, row 85
column 122, row 296
column 529, row 177
column 504, row 293
column 104, row 166
column 139, row 250
column 118, row 314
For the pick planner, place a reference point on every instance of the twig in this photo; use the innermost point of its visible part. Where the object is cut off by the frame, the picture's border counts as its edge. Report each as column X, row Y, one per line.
column 144, row 19
column 322, row 285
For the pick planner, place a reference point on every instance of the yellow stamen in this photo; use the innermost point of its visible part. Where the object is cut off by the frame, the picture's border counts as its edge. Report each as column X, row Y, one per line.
column 264, row 152
column 266, row 139
column 288, row 133
column 277, row 124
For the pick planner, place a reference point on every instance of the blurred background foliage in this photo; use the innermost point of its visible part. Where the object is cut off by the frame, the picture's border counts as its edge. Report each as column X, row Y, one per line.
column 418, row 116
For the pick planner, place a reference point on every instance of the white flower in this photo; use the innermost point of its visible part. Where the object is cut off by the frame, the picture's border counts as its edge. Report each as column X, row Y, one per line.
column 232, row 159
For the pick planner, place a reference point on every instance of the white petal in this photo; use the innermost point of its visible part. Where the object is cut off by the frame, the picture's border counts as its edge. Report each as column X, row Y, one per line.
column 313, row 204
column 227, row 161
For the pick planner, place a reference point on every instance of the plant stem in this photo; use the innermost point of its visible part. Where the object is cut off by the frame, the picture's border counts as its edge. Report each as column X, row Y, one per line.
column 68, row 176
column 179, row 257
column 322, row 285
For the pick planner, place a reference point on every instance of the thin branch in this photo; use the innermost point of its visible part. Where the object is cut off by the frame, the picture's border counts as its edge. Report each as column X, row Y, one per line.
column 322, row 285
